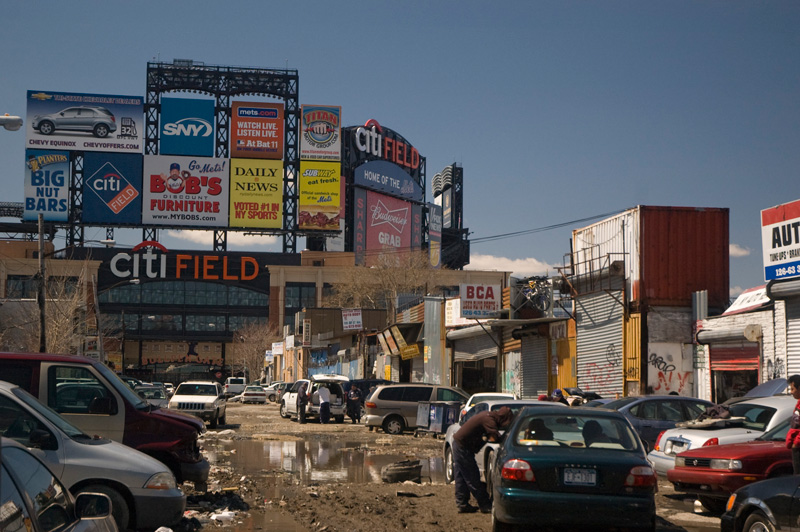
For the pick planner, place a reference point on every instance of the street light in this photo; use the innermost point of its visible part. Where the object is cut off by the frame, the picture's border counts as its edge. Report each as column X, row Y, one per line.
column 11, row 123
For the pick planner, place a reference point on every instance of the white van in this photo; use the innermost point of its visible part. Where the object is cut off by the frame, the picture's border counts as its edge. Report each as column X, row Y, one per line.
column 335, row 385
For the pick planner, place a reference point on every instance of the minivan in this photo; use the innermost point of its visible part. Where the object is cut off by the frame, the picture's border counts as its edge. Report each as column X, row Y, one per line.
column 393, row 407
column 90, row 396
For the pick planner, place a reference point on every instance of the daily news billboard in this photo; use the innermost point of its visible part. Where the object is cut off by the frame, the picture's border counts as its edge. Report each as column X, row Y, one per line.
column 84, row 122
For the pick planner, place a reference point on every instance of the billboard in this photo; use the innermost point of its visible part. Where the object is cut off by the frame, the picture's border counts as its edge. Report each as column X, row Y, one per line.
column 187, row 127
column 389, row 178
column 256, row 193
column 257, row 130
column 85, row 122
column 780, row 241
column 320, row 133
column 435, row 235
column 112, row 188
column 46, row 185
column 188, row 191
column 319, row 202
column 351, row 319
column 480, row 301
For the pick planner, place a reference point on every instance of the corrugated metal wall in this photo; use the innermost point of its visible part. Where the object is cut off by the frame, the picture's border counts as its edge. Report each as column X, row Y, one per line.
column 792, row 336
column 512, row 374
column 609, row 239
column 632, row 363
column 599, row 342
column 534, row 366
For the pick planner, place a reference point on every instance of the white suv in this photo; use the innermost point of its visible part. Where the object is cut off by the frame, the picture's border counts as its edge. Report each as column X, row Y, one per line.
column 204, row 399
column 334, row 384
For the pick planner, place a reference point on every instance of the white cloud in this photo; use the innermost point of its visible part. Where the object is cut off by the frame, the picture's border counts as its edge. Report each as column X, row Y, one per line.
column 518, row 267
column 735, row 250
column 235, row 238
column 735, row 291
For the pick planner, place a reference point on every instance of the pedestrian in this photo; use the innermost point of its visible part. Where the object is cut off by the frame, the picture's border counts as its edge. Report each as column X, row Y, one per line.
column 324, row 403
column 558, row 397
column 793, row 436
column 467, row 441
column 354, row 404
column 302, row 401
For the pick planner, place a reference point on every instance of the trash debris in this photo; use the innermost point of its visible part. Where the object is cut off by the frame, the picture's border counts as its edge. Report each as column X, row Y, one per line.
column 224, row 517
column 402, row 471
column 410, row 494
column 163, row 529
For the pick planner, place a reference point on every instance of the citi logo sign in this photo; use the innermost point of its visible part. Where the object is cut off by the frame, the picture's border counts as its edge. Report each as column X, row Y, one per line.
column 189, row 127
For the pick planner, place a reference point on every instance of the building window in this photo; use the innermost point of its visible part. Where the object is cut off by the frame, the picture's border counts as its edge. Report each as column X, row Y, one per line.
column 21, row 287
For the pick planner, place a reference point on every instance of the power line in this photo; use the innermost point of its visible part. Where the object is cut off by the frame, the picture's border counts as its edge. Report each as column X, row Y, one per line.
column 492, row 238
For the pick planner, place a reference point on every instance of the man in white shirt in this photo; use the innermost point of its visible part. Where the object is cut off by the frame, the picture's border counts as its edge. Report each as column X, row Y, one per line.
column 324, row 403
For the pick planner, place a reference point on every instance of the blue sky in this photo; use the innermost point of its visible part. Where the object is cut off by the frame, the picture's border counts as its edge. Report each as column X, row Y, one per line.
column 557, row 111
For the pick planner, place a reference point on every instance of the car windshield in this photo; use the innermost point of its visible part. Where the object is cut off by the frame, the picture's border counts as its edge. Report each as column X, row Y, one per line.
column 152, row 393
column 619, row 403
column 574, row 431
column 487, row 397
column 123, row 389
column 49, row 414
column 778, row 433
column 196, row 389
column 258, row 389
column 756, row 417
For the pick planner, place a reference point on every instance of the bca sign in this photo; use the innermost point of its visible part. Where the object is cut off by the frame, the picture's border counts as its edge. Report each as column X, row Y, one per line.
column 480, row 300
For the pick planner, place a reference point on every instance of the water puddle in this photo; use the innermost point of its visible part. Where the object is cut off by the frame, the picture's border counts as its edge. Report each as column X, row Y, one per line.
column 314, row 461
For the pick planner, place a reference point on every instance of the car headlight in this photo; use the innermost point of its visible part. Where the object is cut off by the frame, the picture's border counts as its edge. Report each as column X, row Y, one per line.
column 720, row 463
column 161, row 481
column 209, row 406
column 680, row 461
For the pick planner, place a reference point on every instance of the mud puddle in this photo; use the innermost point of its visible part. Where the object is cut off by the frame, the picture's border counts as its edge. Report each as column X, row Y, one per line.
column 314, row 460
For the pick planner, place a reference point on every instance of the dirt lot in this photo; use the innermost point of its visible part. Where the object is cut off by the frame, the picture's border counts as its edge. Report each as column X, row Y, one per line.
column 287, row 484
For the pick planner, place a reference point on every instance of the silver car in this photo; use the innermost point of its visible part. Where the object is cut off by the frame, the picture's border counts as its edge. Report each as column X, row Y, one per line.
column 97, row 120
column 142, row 490
column 486, row 455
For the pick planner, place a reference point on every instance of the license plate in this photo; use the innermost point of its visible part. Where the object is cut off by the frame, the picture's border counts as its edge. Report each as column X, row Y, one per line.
column 673, row 448
column 580, row 477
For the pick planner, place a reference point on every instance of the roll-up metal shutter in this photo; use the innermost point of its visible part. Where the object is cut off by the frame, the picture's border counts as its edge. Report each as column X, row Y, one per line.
column 792, row 336
column 734, row 357
column 474, row 348
column 599, row 342
column 534, row 366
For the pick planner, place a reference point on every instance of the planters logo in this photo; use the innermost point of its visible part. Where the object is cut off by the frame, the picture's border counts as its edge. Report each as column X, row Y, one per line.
column 187, row 127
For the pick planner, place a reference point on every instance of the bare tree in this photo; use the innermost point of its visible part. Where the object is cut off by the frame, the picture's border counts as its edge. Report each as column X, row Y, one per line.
column 389, row 276
column 250, row 344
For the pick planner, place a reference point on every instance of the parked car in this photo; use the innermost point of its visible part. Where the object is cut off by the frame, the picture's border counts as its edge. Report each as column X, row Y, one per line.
column 118, row 413
column 652, row 414
column 97, row 120
column 594, row 403
column 131, row 381
column 254, row 394
column 155, row 395
column 142, row 489
column 273, row 391
column 749, row 420
column 476, row 398
column 393, row 407
column 485, row 457
column 335, row 385
column 170, row 388
column 234, row 386
column 768, row 505
column 765, row 389
column 204, row 399
column 582, row 469
column 713, row 473
column 32, row 498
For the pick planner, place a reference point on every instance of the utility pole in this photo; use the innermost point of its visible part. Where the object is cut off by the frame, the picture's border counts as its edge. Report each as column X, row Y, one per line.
column 40, row 295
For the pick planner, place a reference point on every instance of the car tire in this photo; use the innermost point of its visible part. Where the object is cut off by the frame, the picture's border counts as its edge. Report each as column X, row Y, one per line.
column 394, row 425
column 448, row 465
column 713, row 504
column 488, row 470
column 283, row 412
column 272, row 398
column 213, row 422
column 101, row 131
column 119, row 506
column 339, row 419
column 223, row 417
column 46, row 128
column 758, row 522
column 499, row 526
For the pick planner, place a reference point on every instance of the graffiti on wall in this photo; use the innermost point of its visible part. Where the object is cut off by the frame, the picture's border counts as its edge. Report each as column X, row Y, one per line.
column 776, row 368
column 669, row 370
column 598, row 377
column 511, row 375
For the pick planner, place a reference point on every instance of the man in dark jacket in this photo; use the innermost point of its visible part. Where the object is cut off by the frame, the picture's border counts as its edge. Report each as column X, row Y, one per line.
column 302, row 401
column 467, row 441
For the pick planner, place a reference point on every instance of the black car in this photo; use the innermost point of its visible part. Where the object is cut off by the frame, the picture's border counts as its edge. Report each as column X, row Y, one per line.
column 767, row 505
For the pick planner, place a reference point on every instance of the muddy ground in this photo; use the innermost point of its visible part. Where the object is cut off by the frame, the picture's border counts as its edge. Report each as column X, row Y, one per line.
column 259, row 489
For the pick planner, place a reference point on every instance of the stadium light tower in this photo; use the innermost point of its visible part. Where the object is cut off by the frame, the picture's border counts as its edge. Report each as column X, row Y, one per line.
column 11, row 123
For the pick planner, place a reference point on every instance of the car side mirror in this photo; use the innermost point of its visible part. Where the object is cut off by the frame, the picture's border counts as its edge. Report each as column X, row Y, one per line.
column 92, row 506
column 42, row 439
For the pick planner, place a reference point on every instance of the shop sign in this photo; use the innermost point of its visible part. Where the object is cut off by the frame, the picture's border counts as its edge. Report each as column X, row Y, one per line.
column 780, row 241
column 480, row 301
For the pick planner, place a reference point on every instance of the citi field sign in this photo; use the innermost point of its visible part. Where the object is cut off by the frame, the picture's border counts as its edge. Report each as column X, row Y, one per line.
column 374, row 141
